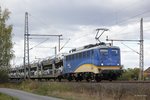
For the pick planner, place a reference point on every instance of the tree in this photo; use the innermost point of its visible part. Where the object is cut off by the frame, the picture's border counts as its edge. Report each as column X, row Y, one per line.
column 6, row 52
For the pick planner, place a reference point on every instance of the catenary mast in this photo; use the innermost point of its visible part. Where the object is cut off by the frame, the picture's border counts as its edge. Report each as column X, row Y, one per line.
column 141, row 59
column 26, row 47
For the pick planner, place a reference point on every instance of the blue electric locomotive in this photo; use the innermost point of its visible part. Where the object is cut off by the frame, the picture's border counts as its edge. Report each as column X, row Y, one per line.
column 97, row 62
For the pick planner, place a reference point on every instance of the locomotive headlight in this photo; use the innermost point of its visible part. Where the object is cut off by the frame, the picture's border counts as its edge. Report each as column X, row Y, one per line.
column 118, row 64
column 102, row 64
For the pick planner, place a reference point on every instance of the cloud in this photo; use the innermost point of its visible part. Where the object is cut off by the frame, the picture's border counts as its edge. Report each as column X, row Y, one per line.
column 77, row 20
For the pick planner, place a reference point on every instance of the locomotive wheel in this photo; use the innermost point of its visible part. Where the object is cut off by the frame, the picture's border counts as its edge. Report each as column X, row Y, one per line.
column 77, row 79
column 54, row 79
column 70, row 78
column 59, row 78
column 88, row 79
column 110, row 79
column 97, row 78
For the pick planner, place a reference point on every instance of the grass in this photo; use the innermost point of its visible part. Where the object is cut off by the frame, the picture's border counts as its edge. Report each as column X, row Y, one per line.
column 6, row 97
column 85, row 91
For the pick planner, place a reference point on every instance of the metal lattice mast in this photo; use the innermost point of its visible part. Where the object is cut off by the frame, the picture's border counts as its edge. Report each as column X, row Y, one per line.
column 26, row 46
column 141, row 62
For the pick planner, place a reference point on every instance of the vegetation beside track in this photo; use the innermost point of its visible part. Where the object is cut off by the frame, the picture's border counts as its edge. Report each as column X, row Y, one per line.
column 7, row 97
column 86, row 91
column 6, row 45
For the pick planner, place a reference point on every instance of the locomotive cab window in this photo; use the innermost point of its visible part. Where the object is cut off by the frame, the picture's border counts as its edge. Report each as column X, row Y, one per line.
column 104, row 52
column 114, row 52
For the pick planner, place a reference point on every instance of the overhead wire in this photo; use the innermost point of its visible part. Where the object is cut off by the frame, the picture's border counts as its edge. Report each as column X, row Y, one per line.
column 120, row 22
column 39, row 20
column 38, row 44
column 83, row 36
column 80, row 37
column 130, row 48
column 131, row 5
column 125, row 20
column 89, row 34
column 144, row 12
column 65, row 44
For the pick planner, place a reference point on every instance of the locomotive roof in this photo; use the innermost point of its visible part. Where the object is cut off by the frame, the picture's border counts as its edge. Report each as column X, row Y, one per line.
column 87, row 49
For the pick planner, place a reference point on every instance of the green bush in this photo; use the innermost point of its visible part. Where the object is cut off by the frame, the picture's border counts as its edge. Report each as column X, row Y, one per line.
column 3, row 76
column 130, row 74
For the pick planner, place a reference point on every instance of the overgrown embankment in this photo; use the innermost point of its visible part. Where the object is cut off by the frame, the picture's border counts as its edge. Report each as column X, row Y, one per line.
column 6, row 97
column 86, row 91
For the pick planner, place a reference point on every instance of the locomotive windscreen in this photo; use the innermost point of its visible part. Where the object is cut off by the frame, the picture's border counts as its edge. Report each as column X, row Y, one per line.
column 109, row 56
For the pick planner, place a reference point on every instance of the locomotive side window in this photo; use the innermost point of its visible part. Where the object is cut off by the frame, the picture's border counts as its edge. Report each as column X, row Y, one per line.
column 67, row 58
column 84, row 54
column 92, row 52
column 77, row 56
column 80, row 55
column 72, row 57
column 88, row 53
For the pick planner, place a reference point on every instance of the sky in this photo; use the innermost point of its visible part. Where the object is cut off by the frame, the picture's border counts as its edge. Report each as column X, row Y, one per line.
column 77, row 21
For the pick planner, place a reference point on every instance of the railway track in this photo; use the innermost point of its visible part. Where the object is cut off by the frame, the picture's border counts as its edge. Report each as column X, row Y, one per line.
column 84, row 81
column 125, row 82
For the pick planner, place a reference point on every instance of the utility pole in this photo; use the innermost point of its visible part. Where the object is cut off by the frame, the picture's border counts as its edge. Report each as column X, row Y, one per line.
column 141, row 59
column 26, row 47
